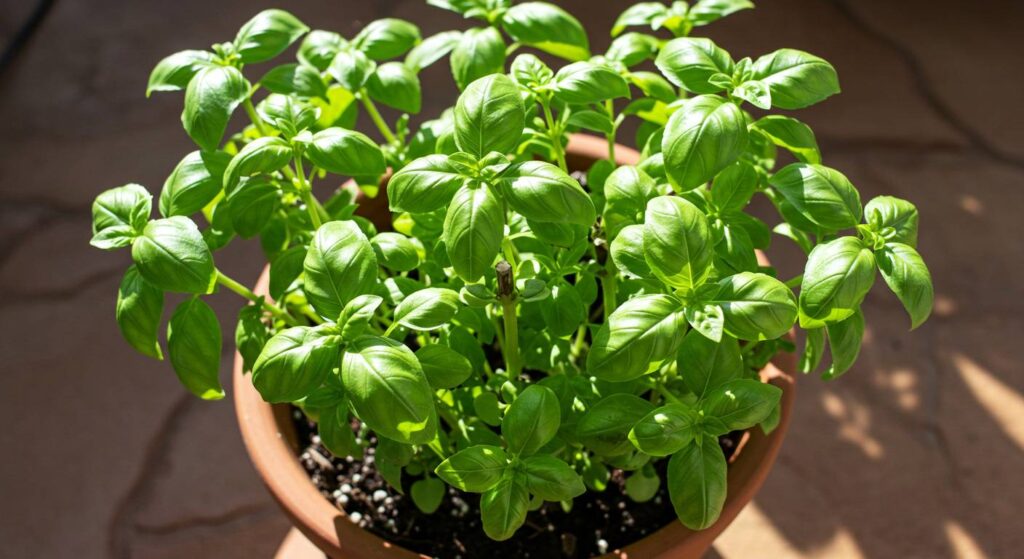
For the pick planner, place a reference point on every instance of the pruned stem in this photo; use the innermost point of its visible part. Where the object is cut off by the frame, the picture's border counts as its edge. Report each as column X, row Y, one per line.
column 506, row 294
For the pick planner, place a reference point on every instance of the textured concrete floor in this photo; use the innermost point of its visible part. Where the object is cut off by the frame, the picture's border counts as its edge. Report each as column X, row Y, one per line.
column 918, row 452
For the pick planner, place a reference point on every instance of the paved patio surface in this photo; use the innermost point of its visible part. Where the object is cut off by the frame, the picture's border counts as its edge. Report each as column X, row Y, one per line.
column 917, row 452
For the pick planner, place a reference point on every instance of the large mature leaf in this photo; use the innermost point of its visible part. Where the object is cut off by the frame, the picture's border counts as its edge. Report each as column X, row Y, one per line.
column 822, row 195
column 171, row 255
column 346, row 152
column 690, row 62
column 756, row 306
column 473, row 229
column 193, row 346
column 503, row 508
column 489, row 116
column 531, row 421
column 696, row 483
column 704, row 365
column 292, row 364
column 475, row 469
column 704, row 136
column 339, row 266
column 479, row 52
column 677, row 242
column 665, row 430
column 548, row 28
column 796, row 79
column 138, row 311
column 212, row 95
column 425, row 185
column 387, row 38
column 542, row 192
column 642, row 332
column 838, row 275
column 267, row 34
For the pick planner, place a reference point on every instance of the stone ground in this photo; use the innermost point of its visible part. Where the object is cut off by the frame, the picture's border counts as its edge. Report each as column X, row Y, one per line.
column 918, row 452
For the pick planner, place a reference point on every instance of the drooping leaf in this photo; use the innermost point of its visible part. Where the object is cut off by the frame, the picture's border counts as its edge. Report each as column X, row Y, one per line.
column 193, row 346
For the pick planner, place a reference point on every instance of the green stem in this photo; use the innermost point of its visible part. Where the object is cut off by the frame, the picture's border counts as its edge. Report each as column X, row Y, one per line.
column 610, row 109
column 511, row 347
column 795, row 282
column 609, row 288
column 248, row 294
column 554, row 133
column 667, row 395
column 255, row 118
column 306, row 192
column 371, row 110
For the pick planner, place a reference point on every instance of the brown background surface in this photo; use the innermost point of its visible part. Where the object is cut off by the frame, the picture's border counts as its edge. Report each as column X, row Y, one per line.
column 917, row 452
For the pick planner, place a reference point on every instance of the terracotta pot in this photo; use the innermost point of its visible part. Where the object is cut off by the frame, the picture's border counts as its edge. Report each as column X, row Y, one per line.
column 271, row 441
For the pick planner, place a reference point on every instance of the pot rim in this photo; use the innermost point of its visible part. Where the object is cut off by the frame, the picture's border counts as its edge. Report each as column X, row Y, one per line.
column 269, row 439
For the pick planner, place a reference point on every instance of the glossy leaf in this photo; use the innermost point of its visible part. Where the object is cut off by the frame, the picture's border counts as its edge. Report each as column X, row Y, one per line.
column 171, row 255
column 503, row 508
column 475, row 469
column 444, row 367
column 697, row 483
column 741, row 404
column 605, row 426
column 542, row 192
column 665, row 430
column 397, row 86
column 293, row 363
column 844, row 341
column 346, row 152
column 796, row 79
column 706, row 135
column 193, row 347
column 642, row 332
column 837, row 276
column 705, row 365
column 677, row 242
column 297, row 79
column 791, row 134
column 822, row 195
column 262, row 155
column 531, row 421
column 756, row 306
column 193, row 183
column 883, row 212
column 339, row 266
column 395, row 251
column 356, row 316
column 547, row 27
column 212, row 95
column 551, row 479
column 138, row 311
column 581, row 83
column 907, row 275
column 127, row 206
column 690, row 62
column 480, row 52
column 473, row 229
column 351, row 68
column 175, row 71
column 431, row 50
column 427, row 309
column 627, row 252
column 387, row 38
column 489, row 116
column 250, row 335
column 267, row 35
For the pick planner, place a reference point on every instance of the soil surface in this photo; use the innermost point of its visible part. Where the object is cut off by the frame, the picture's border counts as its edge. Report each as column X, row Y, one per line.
column 597, row 523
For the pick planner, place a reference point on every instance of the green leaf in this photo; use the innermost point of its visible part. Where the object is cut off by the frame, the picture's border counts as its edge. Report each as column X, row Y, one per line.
column 346, row 152
column 425, row 185
column 838, row 275
column 319, row 47
column 395, row 85
column 705, row 365
column 427, row 494
column 733, row 187
column 473, row 229
column 193, row 183
column 734, row 251
column 356, row 315
column 250, row 334
column 756, row 306
column 480, row 52
column 297, row 79
column 605, row 426
column 822, row 195
column 336, row 433
column 626, row 192
column 489, row 116
column 697, row 484
column 627, row 252
column 796, row 79
column 677, row 242
column 262, row 155
column 791, row 134
column 285, row 268
column 706, row 135
column 564, row 310
column 252, row 206
column 814, row 348
column 641, row 333
column 125, row 206
column 391, row 457
column 581, row 83
column 741, row 404
column 665, row 430
column 642, row 13
column 548, row 28
column 654, row 86
column 591, row 120
column 172, row 256
column 542, row 192
column 531, row 421
column 395, row 251
column 267, row 35
column 211, row 97
column 708, row 11
column 175, row 71
column 289, row 114
column 530, row 72
column 138, row 311
column 643, row 484
column 503, row 508
column 427, row 309
column 551, row 478
column 432, row 49
column 387, row 38
column 907, row 275
column 388, row 390
column 755, row 92
column 844, row 340
column 339, row 266
column 689, row 63
column 193, row 346
column 633, row 48
column 444, row 367
column 475, row 469
column 883, row 212
column 351, row 68
column 293, row 363
column 113, row 238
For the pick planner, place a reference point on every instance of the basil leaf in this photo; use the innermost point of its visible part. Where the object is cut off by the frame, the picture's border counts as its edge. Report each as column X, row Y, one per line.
column 821, row 194
column 339, row 266
column 564, row 312
column 475, row 469
column 444, row 367
column 882, row 212
column 427, row 309
column 814, row 349
column 642, row 13
column 295, row 79
column 395, row 85
column 253, row 205
column 319, row 47
column 285, row 268
column 548, row 28
column 193, row 346
column 351, row 68
column 127, row 206
column 292, row 364
column 741, row 404
column 591, row 120
column 639, row 335
column 336, row 433
column 708, row 11
column 654, row 86
column 427, row 494
column 480, row 52
column 503, row 508
column 754, row 92
column 530, row 72
column 734, row 252
column 489, row 116
column 193, row 183
column 175, row 71
column 677, row 242
column 432, row 49
column 395, row 251
column 138, row 311
column 665, row 430
column 531, row 420
column 267, row 34
column 551, row 478
column 211, row 97
column 907, row 275
column 704, row 136
column 346, row 152
column 111, row 238
column 387, row 38
column 706, row 319
column 542, row 192
column 388, row 390
column 796, row 79
column 791, row 134
column 697, row 484
column 633, row 48
column 262, row 155
column 425, row 185
column 288, row 113
column 473, row 229
column 627, row 252
column 172, row 256
column 250, row 335
column 356, row 315
column 643, row 484
column 689, row 63
column 704, row 365
column 756, row 306
column 626, row 192
column 838, row 275
column 733, row 187
column 605, row 426
column 581, row 83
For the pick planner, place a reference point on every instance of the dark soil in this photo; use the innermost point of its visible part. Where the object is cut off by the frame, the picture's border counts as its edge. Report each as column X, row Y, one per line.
column 597, row 523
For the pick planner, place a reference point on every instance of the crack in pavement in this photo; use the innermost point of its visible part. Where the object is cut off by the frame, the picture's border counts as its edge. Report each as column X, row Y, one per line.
column 925, row 88
column 214, row 521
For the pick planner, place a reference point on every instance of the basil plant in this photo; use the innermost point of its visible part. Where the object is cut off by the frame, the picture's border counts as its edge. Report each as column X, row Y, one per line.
column 516, row 329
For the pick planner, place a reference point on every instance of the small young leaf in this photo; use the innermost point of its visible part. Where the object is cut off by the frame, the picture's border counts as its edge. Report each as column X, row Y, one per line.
column 193, row 346
column 431, row 50
column 336, row 433
column 642, row 13
column 531, row 421
column 633, row 48
column 814, row 349
column 882, row 212
column 475, row 469
column 741, row 404
column 708, row 11
column 212, row 95
column 175, row 71
column 796, row 79
column 351, row 68
column 395, row 251
column 606, row 424
column 193, row 183
column 356, row 315
column 387, row 38
column 427, row 309
column 581, row 83
column 503, row 508
column 397, row 86
column 907, row 275
column 844, row 340
column 250, row 335
column 530, row 72
column 838, row 275
column 297, row 79
column 627, row 252
column 564, row 311
column 319, row 47
column 127, row 206
column 690, row 62
column 262, row 155
column 473, row 229
column 791, row 134
column 138, row 311
column 643, row 484
column 665, row 430
column 285, row 268
column 480, row 52
column 551, row 479
column 427, row 494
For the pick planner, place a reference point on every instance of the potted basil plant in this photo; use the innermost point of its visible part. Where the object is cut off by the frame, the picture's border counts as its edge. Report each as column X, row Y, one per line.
column 496, row 317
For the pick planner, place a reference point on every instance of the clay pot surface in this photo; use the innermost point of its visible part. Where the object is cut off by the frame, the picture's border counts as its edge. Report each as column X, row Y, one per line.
column 270, row 438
